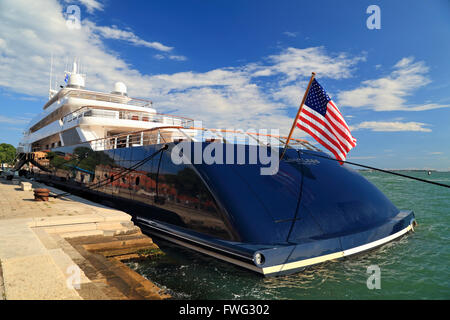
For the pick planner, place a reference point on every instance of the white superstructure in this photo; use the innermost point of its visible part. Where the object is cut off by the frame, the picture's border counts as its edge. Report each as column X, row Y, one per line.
column 102, row 121
column 74, row 115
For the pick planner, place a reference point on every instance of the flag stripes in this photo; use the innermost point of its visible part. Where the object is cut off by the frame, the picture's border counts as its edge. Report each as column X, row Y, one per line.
column 334, row 111
column 322, row 135
column 333, row 129
column 320, row 117
column 316, row 136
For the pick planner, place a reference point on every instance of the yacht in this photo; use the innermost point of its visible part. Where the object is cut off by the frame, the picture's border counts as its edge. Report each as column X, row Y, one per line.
column 120, row 151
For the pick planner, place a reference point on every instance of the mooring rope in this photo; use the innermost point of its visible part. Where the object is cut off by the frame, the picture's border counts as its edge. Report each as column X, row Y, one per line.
column 378, row 169
column 157, row 178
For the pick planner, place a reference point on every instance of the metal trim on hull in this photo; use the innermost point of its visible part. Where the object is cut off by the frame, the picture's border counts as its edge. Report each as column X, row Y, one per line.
column 199, row 247
column 280, row 269
column 292, row 266
column 158, row 227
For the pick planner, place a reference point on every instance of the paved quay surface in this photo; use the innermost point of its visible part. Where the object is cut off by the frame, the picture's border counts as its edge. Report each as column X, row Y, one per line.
column 68, row 248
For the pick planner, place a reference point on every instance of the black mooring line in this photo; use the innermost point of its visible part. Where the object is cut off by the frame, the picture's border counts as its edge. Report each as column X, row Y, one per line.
column 377, row 169
column 124, row 171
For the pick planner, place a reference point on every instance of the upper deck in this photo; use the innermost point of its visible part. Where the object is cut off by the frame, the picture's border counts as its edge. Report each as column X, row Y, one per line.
column 69, row 100
column 74, row 115
column 67, row 93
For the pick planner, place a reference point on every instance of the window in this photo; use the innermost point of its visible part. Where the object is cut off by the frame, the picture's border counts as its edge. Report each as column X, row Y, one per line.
column 137, row 180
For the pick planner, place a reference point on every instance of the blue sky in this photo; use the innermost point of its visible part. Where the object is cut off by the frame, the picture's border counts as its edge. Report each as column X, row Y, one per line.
column 245, row 64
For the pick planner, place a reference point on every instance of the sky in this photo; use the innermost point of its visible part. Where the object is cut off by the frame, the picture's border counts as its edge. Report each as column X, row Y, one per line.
column 245, row 65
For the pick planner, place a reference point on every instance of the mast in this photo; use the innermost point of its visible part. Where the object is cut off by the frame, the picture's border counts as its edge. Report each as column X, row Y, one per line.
column 50, row 94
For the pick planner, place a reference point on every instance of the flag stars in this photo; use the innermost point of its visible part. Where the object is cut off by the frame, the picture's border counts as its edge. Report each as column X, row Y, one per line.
column 317, row 98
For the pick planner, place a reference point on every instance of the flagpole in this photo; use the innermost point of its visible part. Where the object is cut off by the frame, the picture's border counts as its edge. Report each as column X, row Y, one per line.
column 298, row 114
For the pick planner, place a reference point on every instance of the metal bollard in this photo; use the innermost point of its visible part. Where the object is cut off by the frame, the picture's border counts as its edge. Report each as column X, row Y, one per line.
column 41, row 194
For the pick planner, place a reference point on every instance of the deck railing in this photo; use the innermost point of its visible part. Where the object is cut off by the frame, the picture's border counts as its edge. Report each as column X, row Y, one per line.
column 177, row 134
column 91, row 111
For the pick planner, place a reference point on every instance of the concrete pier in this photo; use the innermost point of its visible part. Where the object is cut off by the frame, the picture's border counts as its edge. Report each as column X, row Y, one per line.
column 68, row 248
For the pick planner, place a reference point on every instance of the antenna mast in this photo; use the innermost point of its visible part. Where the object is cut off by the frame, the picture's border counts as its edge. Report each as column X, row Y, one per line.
column 50, row 81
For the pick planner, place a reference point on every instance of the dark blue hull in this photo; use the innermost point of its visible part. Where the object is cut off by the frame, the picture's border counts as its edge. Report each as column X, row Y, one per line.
column 310, row 211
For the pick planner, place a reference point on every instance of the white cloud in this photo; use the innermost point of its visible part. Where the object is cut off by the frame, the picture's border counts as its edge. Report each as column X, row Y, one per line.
column 291, row 94
column 171, row 57
column 263, row 72
column 293, row 67
column 14, row 120
column 117, row 34
column 224, row 97
column 290, row 34
column 91, row 5
column 390, row 92
column 297, row 63
column 177, row 58
column 32, row 31
column 391, row 126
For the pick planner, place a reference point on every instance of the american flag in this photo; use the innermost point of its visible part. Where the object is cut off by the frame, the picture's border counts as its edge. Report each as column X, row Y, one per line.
column 324, row 122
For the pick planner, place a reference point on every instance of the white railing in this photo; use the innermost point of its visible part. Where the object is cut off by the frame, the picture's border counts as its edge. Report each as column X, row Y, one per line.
column 177, row 134
column 134, row 139
column 249, row 138
column 168, row 120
